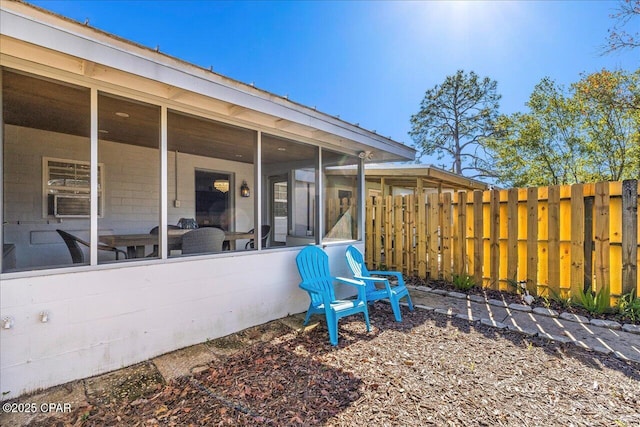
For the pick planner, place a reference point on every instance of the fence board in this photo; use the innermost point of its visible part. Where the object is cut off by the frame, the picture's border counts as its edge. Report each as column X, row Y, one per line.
column 377, row 243
column 432, row 233
column 494, row 240
column 577, row 239
column 512, row 234
column 388, row 232
column 601, row 236
column 398, row 261
column 460, row 247
column 553, row 236
column 478, row 243
column 369, row 233
column 422, row 235
column 409, row 223
column 445, row 229
column 532, row 240
column 629, row 236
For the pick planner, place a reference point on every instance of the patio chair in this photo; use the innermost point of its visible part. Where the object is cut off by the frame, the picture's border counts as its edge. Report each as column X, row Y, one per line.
column 77, row 256
column 394, row 293
column 265, row 230
column 202, row 240
column 313, row 266
column 175, row 246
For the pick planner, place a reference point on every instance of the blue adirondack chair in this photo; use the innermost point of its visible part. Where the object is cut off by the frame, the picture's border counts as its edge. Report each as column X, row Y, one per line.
column 393, row 293
column 313, row 266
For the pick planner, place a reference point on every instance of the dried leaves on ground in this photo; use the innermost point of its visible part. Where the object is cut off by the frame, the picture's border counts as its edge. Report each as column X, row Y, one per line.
column 427, row 370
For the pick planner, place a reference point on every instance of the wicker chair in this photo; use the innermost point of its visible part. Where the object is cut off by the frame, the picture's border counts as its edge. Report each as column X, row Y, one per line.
column 77, row 256
column 202, row 240
column 175, row 246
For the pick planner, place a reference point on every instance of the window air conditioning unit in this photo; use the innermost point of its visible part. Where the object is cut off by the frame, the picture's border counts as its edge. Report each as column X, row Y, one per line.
column 71, row 206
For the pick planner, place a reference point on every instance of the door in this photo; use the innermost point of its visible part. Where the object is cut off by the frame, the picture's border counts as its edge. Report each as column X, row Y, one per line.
column 279, row 191
column 213, row 199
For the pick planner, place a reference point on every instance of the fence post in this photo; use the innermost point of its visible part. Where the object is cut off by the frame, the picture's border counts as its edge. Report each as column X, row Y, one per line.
column 601, row 237
column 532, row 240
column 629, row 236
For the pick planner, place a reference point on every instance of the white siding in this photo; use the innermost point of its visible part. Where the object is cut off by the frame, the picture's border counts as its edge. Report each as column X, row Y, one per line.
column 105, row 319
column 131, row 192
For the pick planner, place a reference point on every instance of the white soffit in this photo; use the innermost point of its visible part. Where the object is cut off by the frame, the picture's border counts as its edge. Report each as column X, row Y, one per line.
column 41, row 28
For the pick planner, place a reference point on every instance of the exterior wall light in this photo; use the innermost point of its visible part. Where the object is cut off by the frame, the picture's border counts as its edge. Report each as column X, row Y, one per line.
column 7, row 322
column 244, row 189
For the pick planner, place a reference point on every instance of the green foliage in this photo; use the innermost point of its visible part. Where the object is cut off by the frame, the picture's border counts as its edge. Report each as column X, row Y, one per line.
column 463, row 282
column 589, row 132
column 565, row 302
column 629, row 306
column 454, row 119
column 595, row 302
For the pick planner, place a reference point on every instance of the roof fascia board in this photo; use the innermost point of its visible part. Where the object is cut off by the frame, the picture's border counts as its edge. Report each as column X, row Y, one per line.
column 86, row 43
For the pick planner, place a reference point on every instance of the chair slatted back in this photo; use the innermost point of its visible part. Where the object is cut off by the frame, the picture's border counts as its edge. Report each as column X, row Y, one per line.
column 356, row 263
column 313, row 266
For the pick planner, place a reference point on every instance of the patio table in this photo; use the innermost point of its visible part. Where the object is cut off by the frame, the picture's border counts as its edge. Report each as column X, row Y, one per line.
column 135, row 243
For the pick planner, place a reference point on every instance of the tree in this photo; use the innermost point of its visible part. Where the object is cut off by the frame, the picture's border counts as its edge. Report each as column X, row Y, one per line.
column 618, row 38
column 609, row 105
column 454, row 119
column 541, row 147
column 590, row 132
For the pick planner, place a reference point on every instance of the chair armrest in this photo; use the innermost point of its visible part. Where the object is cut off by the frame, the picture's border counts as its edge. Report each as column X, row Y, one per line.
column 382, row 280
column 351, row 282
column 360, row 285
column 112, row 249
column 395, row 274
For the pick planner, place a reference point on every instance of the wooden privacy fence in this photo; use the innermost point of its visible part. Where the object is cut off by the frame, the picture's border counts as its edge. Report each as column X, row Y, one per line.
column 560, row 238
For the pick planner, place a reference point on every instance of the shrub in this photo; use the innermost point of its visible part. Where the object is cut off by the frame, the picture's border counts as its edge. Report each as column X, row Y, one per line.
column 463, row 282
column 595, row 302
column 629, row 306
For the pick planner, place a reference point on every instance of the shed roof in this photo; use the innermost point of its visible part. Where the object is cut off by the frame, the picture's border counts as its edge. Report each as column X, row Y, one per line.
column 409, row 175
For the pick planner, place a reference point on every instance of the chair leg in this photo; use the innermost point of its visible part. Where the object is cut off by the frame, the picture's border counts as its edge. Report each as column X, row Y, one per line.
column 409, row 302
column 395, row 306
column 307, row 317
column 366, row 318
column 332, row 325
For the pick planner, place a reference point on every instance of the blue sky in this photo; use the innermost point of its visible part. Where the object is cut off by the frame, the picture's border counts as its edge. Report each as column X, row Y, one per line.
column 370, row 62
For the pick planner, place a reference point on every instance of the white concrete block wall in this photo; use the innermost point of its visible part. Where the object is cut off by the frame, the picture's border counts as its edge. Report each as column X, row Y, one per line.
column 102, row 320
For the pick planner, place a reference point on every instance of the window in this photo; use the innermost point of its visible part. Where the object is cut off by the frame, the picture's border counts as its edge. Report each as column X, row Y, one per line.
column 280, row 203
column 67, row 187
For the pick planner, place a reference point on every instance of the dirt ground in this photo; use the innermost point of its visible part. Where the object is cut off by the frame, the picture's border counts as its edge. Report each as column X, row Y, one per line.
column 428, row 370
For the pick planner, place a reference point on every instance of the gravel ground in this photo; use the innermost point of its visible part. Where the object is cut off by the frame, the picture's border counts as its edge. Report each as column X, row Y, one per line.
column 427, row 370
